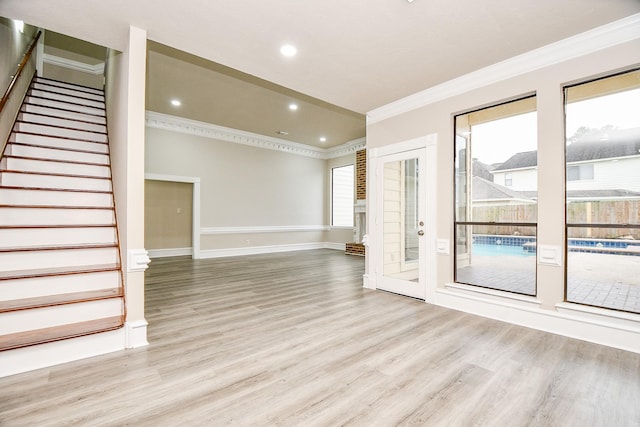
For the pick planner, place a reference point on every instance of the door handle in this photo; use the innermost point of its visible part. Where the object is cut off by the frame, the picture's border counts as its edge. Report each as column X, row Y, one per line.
column 420, row 233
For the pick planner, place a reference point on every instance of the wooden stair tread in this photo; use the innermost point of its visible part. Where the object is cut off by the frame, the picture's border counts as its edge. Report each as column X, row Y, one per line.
column 60, row 127
column 56, row 174
column 13, row 187
column 89, row 89
column 66, row 138
column 57, row 333
column 102, row 116
column 52, row 116
column 80, row 99
column 60, row 299
column 58, row 247
column 57, row 271
column 42, row 159
column 11, row 227
column 104, row 208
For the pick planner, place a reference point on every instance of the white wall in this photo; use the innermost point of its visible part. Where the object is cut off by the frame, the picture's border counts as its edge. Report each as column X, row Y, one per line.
column 611, row 174
column 521, row 180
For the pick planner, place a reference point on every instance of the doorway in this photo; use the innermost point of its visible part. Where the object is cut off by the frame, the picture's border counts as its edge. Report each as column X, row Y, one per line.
column 405, row 218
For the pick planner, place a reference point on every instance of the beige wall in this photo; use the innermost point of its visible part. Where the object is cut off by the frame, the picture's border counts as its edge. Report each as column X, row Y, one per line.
column 65, row 74
column 547, row 83
column 243, row 186
column 167, row 214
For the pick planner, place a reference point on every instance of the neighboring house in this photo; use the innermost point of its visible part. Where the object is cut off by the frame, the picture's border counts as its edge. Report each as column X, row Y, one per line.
column 599, row 161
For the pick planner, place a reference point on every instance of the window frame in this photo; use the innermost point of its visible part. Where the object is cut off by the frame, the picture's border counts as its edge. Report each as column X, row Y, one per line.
column 333, row 192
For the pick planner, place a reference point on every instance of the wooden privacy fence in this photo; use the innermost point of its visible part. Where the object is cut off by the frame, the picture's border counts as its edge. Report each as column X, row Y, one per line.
column 616, row 212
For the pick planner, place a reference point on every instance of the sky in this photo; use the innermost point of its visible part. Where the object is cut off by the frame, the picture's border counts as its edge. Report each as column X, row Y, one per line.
column 496, row 141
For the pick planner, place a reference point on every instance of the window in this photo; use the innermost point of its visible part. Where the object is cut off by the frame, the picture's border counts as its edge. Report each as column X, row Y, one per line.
column 508, row 179
column 603, row 209
column 342, row 196
column 579, row 172
column 495, row 220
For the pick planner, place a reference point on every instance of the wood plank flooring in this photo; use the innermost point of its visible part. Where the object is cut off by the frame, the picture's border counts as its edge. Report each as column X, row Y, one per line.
column 294, row 340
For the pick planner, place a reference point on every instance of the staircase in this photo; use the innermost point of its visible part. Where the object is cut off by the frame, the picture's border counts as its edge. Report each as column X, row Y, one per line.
column 60, row 274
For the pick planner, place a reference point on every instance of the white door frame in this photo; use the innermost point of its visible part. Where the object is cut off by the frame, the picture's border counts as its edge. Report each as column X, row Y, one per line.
column 195, row 209
column 375, row 223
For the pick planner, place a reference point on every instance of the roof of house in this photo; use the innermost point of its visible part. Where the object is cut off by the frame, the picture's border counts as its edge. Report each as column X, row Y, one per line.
column 483, row 189
column 596, row 146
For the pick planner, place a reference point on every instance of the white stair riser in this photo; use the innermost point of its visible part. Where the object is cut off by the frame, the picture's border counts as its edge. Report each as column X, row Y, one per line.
column 65, row 106
column 69, row 85
column 10, row 179
column 64, row 133
column 44, row 166
column 48, row 216
column 27, row 320
column 66, row 98
column 55, row 285
column 31, row 260
column 26, row 138
column 52, row 153
column 68, row 91
column 15, row 196
column 32, row 237
column 64, row 114
column 65, row 123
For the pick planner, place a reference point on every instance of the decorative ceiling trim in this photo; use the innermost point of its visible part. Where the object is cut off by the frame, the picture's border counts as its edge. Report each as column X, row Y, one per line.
column 617, row 32
column 96, row 69
column 208, row 130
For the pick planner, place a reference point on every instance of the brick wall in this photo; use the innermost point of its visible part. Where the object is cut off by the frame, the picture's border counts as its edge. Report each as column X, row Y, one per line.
column 355, row 249
column 361, row 175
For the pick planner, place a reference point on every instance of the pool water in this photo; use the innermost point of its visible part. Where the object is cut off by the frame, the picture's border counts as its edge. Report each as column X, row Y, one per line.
column 480, row 249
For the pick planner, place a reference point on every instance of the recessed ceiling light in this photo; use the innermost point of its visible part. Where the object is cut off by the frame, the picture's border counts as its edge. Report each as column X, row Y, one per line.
column 293, row 107
column 176, row 102
column 19, row 25
column 323, row 139
column 288, row 50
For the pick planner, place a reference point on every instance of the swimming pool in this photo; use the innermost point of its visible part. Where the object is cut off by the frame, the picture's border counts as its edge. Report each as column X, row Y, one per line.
column 483, row 249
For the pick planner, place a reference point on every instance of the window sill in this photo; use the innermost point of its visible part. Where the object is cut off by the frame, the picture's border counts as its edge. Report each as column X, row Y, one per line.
column 494, row 294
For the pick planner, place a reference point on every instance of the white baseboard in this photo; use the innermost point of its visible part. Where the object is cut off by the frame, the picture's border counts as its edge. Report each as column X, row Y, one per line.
column 54, row 353
column 164, row 253
column 614, row 330
column 336, row 246
column 136, row 334
column 256, row 250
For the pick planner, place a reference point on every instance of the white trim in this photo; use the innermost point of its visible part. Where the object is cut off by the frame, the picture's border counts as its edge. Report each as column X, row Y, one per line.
column 70, row 64
column 617, row 32
column 255, row 250
column 137, row 260
column 170, row 252
column 208, row 130
column 263, row 229
column 195, row 208
column 136, row 334
column 605, row 329
column 54, row 353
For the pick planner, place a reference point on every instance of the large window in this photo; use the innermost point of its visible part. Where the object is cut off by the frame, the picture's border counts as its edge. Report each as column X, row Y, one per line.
column 496, row 197
column 603, row 192
column 342, row 196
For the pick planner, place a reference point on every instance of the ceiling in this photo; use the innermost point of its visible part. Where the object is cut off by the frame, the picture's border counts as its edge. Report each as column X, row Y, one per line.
column 353, row 56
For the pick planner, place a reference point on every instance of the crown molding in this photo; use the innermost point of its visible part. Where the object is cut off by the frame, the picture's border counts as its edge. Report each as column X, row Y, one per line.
column 208, row 130
column 617, row 32
column 96, row 69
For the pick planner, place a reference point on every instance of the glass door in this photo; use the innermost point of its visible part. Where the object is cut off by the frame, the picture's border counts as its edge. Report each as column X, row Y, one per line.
column 402, row 224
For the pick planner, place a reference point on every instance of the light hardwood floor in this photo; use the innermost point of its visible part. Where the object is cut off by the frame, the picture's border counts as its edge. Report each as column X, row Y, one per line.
column 293, row 339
